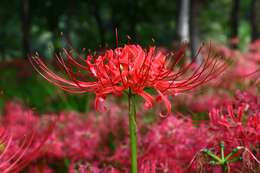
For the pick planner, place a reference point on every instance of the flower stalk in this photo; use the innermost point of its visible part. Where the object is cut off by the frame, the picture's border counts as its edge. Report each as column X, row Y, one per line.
column 223, row 160
column 133, row 130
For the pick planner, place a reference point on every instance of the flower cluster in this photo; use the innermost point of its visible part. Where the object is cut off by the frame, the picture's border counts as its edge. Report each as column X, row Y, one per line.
column 131, row 67
column 170, row 145
column 98, row 143
column 237, row 124
column 21, row 139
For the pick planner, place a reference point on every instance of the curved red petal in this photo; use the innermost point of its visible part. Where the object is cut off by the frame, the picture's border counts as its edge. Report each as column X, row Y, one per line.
column 166, row 102
column 100, row 104
column 148, row 99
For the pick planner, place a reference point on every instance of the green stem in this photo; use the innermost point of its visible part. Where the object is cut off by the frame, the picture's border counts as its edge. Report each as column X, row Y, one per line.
column 133, row 129
column 224, row 168
column 223, row 161
column 212, row 155
column 231, row 154
column 222, row 147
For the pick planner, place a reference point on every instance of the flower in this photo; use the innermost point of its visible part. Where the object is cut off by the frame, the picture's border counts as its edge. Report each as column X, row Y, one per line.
column 21, row 141
column 234, row 125
column 130, row 67
column 170, row 145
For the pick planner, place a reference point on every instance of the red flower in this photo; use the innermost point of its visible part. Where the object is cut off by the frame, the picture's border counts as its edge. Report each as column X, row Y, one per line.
column 20, row 144
column 131, row 67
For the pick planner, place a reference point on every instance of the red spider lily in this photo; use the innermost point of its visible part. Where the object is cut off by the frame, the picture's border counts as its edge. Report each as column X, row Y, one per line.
column 17, row 151
column 131, row 67
column 228, row 120
column 236, row 126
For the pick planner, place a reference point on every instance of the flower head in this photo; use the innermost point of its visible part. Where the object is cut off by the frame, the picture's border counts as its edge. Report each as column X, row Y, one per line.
column 131, row 67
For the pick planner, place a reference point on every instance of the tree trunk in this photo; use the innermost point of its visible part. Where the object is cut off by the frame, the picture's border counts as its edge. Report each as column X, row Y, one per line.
column 101, row 27
column 2, row 45
column 234, row 24
column 115, row 24
column 194, row 29
column 25, row 26
column 253, row 20
column 183, row 21
column 70, row 13
column 134, row 19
